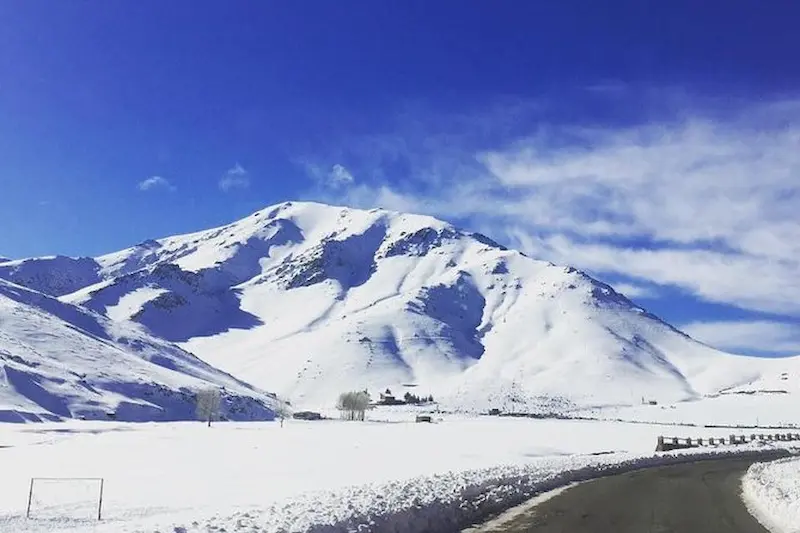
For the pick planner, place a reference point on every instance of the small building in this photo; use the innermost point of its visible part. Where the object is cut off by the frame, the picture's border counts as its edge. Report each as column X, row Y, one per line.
column 424, row 418
column 307, row 415
column 387, row 398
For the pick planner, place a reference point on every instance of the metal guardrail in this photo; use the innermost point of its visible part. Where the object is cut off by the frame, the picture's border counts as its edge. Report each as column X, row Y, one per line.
column 679, row 443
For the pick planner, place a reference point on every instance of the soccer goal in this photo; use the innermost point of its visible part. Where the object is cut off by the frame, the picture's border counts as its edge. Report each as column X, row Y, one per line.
column 71, row 498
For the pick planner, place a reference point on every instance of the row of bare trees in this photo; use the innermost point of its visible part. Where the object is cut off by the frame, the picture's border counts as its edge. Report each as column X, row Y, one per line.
column 352, row 405
column 209, row 406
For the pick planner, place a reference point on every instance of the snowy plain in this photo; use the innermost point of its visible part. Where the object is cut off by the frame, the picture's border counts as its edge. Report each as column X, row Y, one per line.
column 332, row 476
column 757, row 410
column 772, row 493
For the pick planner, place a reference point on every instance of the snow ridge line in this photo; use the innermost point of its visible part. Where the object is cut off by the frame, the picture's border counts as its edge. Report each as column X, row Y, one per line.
column 445, row 503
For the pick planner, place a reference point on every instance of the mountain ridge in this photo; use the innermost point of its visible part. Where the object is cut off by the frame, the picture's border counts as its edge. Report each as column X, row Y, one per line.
column 308, row 300
column 60, row 361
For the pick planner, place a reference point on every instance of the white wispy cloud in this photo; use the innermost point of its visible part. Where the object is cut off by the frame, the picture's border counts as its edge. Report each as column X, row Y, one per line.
column 336, row 177
column 748, row 336
column 339, row 176
column 155, row 182
column 704, row 204
column 691, row 183
column 236, row 177
column 746, row 281
column 633, row 290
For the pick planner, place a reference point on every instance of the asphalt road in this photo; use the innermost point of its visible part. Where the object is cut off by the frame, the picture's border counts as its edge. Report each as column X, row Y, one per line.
column 700, row 497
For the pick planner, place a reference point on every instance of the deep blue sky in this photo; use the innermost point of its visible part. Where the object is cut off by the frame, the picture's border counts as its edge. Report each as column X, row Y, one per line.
column 97, row 96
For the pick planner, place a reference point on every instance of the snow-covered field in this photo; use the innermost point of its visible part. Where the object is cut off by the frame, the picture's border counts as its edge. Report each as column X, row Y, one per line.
column 762, row 410
column 259, row 477
column 772, row 492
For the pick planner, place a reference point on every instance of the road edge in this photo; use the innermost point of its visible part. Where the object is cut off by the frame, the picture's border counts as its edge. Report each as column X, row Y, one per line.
column 565, row 479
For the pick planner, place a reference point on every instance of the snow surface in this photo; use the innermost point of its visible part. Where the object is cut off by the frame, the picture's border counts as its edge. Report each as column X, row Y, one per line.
column 309, row 476
column 132, row 302
column 761, row 410
column 772, row 493
column 308, row 300
column 61, row 361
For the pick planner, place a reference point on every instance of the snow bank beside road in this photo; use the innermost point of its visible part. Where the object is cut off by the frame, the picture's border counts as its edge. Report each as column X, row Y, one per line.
column 772, row 493
column 447, row 503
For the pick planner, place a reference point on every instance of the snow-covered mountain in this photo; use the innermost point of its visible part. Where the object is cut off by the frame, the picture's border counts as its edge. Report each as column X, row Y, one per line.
column 309, row 300
column 59, row 361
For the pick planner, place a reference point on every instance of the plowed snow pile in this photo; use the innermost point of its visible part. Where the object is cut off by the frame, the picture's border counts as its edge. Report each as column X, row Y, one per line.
column 772, row 493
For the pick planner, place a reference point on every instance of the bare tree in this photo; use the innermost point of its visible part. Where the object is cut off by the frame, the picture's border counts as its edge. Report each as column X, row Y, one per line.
column 208, row 405
column 353, row 405
column 283, row 411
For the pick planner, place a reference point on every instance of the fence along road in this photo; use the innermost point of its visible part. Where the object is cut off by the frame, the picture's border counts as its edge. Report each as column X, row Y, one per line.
column 699, row 497
column 678, row 443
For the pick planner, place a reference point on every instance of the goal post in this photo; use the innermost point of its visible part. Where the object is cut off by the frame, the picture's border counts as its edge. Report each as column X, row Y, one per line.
column 72, row 497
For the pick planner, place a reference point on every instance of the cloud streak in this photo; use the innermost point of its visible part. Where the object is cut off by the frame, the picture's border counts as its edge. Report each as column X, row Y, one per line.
column 335, row 177
column 701, row 203
column 155, row 182
column 632, row 290
column 339, row 176
column 236, row 177
column 748, row 336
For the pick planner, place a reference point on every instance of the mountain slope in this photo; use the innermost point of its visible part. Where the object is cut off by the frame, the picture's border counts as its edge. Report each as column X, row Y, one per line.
column 60, row 361
column 309, row 300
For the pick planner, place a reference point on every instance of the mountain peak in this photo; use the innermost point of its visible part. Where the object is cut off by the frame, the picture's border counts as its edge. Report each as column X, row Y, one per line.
column 309, row 300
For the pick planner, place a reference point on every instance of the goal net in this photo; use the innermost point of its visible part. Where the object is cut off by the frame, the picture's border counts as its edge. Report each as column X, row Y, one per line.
column 65, row 498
